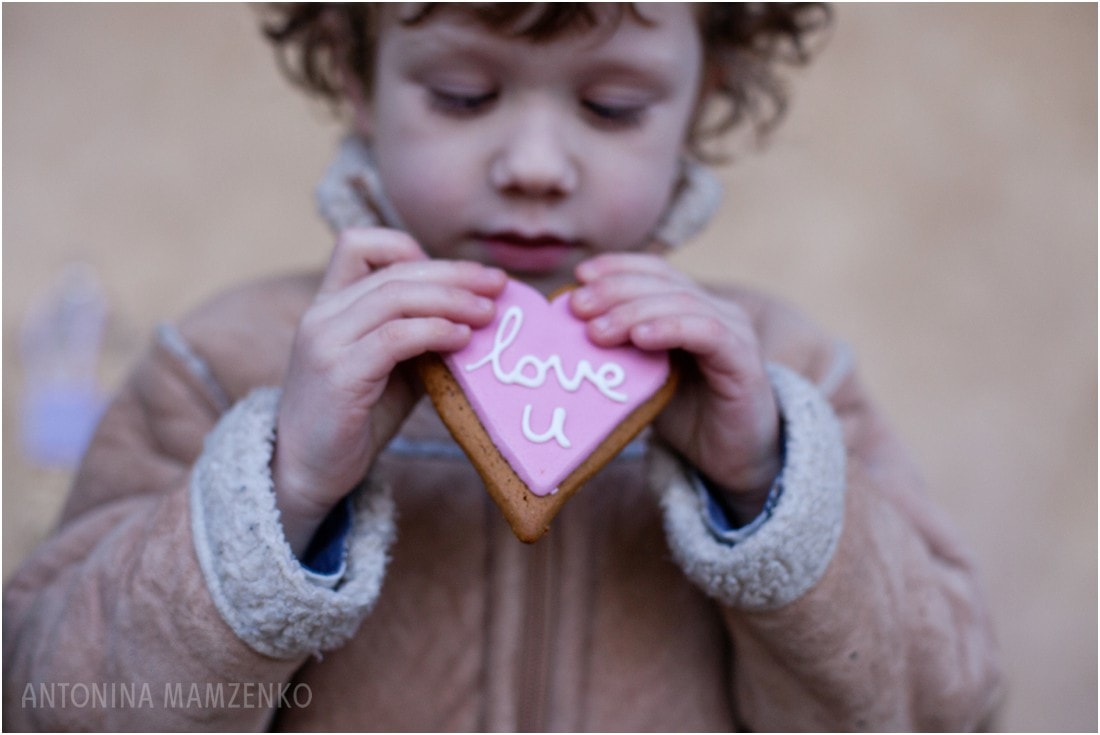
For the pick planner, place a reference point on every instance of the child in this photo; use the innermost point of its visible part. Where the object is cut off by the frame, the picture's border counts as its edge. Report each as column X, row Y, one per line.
column 269, row 506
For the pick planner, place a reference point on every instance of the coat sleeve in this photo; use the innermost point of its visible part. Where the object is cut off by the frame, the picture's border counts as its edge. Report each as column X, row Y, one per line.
column 854, row 606
column 167, row 597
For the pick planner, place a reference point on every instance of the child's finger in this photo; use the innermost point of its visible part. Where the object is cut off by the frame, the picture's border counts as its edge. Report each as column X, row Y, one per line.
column 359, row 251
column 468, row 275
column 394, row 300
column 719, row 346
column 405, row 299
column 614, row 325
column 696, row 333
column 603, row 294
column 379, row 352
column 609, row 264
column 473, row 277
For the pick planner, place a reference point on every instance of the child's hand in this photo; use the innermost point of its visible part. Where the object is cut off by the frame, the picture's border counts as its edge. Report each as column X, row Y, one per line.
column 723, row 418
column 382, row 301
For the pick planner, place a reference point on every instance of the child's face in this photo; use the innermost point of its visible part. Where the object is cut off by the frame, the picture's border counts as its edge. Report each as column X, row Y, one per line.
column 532, row 156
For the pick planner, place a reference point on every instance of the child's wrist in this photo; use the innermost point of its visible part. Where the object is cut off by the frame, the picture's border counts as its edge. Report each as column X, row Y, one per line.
column 298, row 527
column 743, row 492
column 743, row 502
column 299, row 517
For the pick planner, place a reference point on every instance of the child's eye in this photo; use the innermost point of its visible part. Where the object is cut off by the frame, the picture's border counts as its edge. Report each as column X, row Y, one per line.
column 460, row 103
column 624, row 116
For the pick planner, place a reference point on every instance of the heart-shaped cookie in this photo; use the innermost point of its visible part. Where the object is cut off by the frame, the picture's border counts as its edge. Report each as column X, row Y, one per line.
column 539, row 408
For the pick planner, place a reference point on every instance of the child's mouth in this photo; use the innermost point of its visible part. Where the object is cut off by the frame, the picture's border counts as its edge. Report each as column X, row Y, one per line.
column 523, row 254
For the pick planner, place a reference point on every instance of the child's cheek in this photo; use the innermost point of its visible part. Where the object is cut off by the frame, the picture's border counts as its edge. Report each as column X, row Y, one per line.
column 631, row 212
column 423, row 184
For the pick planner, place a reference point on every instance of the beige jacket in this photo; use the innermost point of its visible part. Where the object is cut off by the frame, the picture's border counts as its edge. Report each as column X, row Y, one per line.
column 167, row 598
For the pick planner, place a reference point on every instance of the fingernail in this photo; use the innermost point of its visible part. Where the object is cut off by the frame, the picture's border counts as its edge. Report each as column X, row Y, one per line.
column 582, row 298
column 584, row 271
column 483, row 304
column 601, row 323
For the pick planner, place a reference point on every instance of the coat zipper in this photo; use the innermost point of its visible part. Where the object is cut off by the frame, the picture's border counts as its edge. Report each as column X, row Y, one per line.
column 536, row 662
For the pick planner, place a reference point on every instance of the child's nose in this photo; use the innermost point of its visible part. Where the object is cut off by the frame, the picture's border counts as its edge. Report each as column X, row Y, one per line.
column 534, row 160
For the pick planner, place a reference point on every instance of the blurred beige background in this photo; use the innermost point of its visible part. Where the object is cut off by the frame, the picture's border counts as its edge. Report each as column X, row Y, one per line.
column 932, row 198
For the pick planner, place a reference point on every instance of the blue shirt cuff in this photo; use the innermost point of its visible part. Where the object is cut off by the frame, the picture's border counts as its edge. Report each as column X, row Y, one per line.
column 327, row 552
column 718, row 522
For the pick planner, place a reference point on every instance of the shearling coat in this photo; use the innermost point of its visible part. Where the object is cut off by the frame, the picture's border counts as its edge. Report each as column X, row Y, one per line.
column 168, row 598
column 853, row 606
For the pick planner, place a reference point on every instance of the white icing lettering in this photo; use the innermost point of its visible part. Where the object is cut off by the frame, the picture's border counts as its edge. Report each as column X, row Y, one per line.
column 530, row 371
column 555, row 432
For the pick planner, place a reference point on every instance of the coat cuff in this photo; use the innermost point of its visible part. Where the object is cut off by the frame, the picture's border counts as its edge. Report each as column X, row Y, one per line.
column 260, row 588
column 788, row 553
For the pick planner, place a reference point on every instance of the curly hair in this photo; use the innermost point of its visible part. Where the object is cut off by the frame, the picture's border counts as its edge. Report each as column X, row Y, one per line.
column 744, row 45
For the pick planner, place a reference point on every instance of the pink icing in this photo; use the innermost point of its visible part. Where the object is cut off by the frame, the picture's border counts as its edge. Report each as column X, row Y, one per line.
column 545, row 394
